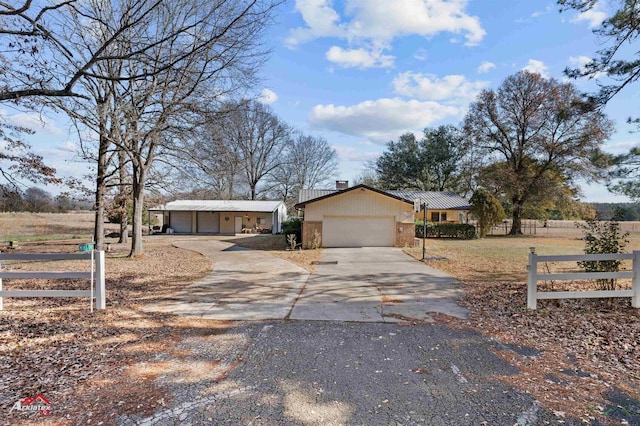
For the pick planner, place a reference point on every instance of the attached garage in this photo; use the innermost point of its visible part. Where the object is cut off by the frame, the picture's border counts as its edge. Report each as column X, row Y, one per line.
column 366, row 231
column 359, row 216
column 180, row 222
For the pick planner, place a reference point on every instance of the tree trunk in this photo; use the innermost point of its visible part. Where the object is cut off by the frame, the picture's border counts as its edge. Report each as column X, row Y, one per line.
column 253, row 191
column 516, row 226
column 98, row 229
column 138, row 184
column 124, row 198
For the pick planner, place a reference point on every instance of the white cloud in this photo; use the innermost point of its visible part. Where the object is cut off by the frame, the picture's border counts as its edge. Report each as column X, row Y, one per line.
column 321, row 19
column 539, row 13
column 68, row 146
column 593, row 16
column 421, row 55
column 538, row 67
column 268, row 96
column 379, row 22
column 580, row 63
column 34, row 122
column 359, row 58
column 349, row 153
column 485, row 67
column 454, row 89
column 621, row 147
column 382, row 119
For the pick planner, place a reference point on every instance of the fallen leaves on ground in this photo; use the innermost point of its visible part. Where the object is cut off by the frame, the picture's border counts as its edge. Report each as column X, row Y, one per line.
column 81, row 361
column 584, row 347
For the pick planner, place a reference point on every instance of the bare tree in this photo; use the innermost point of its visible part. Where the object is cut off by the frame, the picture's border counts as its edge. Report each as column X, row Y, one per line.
column 159, row 108
column 258, row 137
column 44, row 49
column 308, row 162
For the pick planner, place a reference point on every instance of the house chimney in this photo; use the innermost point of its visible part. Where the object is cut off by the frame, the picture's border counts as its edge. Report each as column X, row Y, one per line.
column 342, row 184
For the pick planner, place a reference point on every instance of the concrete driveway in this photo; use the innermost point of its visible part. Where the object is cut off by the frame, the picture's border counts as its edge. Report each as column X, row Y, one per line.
column 244, row 285
column 376, row 284
column 351, row 284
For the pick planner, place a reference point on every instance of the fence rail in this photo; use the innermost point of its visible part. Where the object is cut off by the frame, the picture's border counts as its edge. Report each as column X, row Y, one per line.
column 96, row 276
column 533, row 277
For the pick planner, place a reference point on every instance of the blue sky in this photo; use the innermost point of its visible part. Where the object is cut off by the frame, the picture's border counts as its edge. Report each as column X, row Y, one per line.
column 362, row 72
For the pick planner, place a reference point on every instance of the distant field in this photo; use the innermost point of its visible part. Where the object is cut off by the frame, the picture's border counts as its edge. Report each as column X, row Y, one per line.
column 39, row 226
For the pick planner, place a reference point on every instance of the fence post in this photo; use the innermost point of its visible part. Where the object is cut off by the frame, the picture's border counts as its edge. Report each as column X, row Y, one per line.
column 100, row 288
column 635, row 299
column 533, row 279
column 0, row 286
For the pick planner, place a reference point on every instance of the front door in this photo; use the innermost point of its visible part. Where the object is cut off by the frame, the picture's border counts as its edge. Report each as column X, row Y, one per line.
column 238, row 224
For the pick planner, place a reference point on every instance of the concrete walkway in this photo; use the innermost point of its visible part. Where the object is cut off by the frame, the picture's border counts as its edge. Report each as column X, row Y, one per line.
column 379, row 284
column 376, row 284
column 244, row 285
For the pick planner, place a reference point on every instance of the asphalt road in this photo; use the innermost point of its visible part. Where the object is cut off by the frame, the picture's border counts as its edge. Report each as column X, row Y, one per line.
column 334, row 373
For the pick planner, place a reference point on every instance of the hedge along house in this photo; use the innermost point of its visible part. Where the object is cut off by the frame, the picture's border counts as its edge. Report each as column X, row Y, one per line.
column 362, row 216
column 222, row 216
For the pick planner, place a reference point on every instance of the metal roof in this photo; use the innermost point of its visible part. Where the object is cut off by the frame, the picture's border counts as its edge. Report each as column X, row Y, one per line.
column 310, row 194
column 435, row 200
column 220, row 206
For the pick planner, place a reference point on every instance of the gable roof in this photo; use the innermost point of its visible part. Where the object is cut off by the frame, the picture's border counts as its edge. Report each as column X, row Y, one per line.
column 220, row 206
column 321, row 194
column 435, row 200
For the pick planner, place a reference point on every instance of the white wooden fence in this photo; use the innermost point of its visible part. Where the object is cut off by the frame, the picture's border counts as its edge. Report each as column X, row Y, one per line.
column 533, row 294
column 96, row 276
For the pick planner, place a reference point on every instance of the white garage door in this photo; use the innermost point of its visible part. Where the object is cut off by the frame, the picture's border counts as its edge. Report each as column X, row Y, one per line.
column 208, row 222
column 181, row 222
column 358, row 232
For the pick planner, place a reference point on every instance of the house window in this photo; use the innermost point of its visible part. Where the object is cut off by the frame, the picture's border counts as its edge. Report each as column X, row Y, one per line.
column 443, row 217
column 261, row 221
column 435, row 216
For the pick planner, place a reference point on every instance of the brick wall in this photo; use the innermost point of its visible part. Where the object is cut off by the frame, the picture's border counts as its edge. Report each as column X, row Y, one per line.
column 307, row 232
column 406, row 237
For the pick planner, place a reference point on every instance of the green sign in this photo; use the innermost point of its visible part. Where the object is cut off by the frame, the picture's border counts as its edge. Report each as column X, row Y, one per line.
column 85, row 247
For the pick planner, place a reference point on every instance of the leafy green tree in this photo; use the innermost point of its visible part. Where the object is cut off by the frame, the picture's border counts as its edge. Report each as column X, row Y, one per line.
column 617, row 32
column 400, row 166
column 535, row 129
column 433, row 163
column 486, row 207
column 615, row 66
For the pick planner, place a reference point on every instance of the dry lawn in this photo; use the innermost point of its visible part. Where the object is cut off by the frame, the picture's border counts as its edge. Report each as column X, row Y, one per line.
column 25, row 226
column 588, row 348
column 88, row 365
